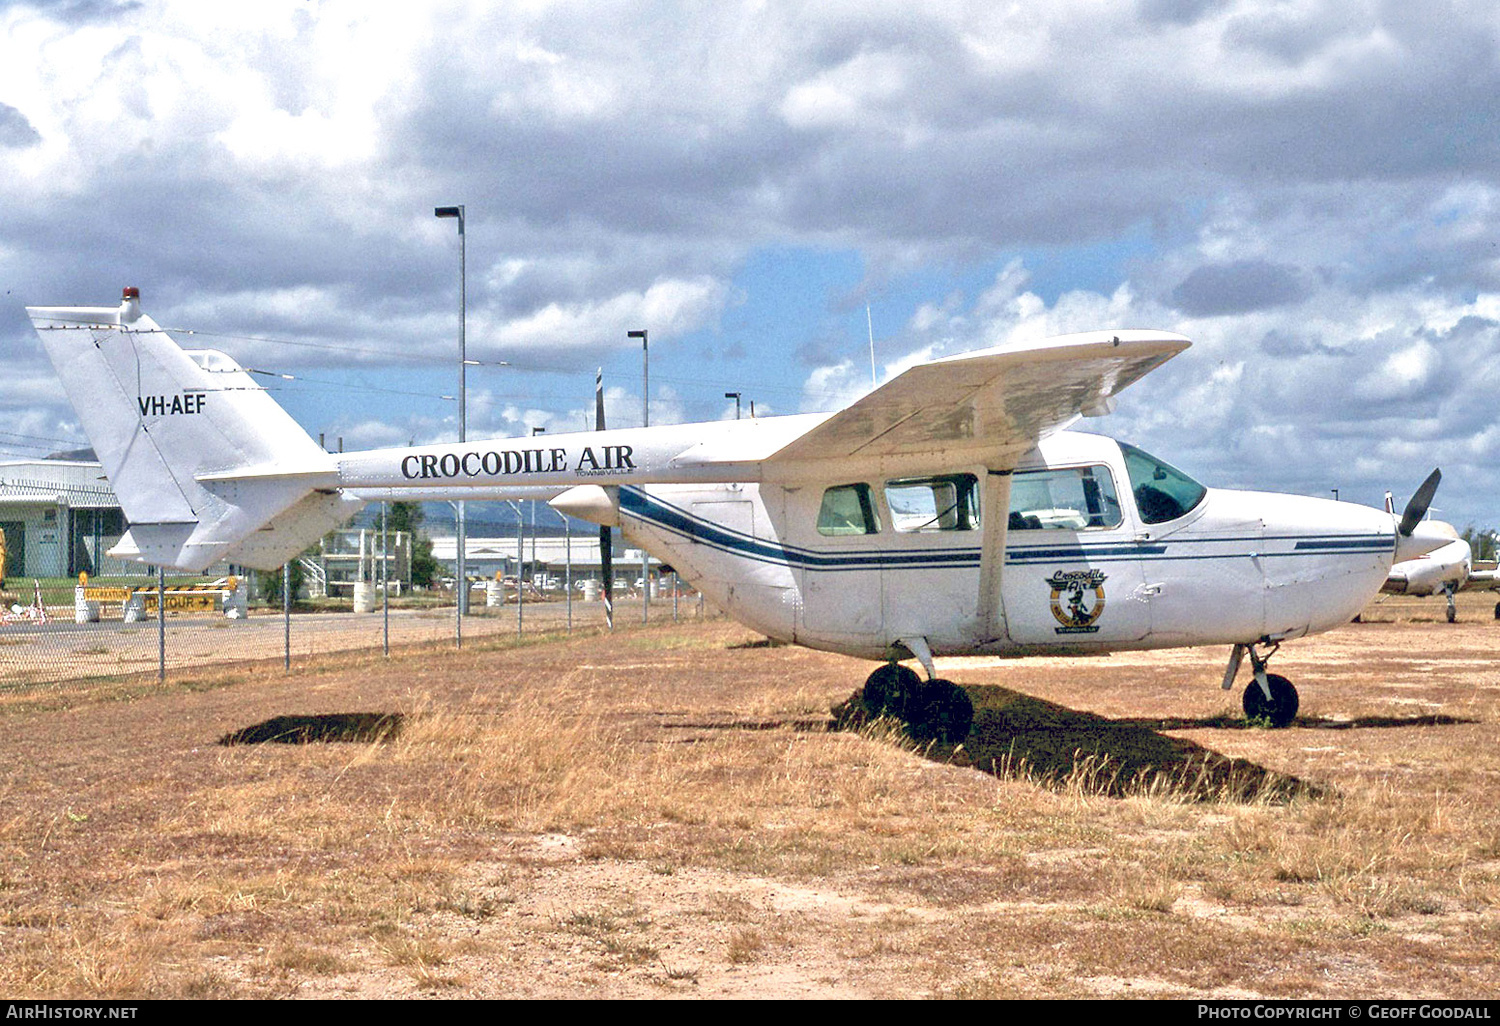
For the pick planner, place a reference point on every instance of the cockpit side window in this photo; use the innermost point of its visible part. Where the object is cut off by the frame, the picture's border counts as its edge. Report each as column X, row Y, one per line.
column 1064, row 499
column 848, row 510
column 949, row 503
column 1162, row 492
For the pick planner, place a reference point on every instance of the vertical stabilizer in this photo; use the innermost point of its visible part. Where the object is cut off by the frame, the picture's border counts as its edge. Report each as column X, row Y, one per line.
column 160, row 418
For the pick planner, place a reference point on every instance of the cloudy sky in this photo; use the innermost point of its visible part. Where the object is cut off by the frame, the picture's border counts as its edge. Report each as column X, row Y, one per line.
column 1306, row 188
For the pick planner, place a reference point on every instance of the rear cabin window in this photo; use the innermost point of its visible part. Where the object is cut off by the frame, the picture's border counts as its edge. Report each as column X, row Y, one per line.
column 1162, row 492
column 1065, row 499
column 846, row 510
column 949, row 503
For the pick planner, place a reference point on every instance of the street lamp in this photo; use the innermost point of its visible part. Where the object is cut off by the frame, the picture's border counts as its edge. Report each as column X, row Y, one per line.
column 645, row 422
column 645, row 375
column 463, row 424
column 736, row 397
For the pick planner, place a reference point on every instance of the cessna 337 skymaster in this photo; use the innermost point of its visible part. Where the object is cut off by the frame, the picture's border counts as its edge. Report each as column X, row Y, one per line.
column 948, row 512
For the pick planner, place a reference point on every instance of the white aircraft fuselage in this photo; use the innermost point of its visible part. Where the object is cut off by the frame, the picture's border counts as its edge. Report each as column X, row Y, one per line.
column 1242, row 567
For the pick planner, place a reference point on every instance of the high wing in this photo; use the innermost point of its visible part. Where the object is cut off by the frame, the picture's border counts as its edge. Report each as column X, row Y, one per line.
column 998, row 401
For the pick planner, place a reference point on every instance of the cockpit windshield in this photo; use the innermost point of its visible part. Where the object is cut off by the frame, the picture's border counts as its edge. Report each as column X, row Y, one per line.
column 1162, row 492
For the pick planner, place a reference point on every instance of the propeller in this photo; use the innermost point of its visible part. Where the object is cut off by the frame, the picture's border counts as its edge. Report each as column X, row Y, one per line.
column 1414, row 535
column 606, row 541
column 1416, row 509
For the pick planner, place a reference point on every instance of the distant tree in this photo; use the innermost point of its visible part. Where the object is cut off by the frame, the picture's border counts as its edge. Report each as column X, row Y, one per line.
column 1481, row 541
column 270, row 582
column 408, row 516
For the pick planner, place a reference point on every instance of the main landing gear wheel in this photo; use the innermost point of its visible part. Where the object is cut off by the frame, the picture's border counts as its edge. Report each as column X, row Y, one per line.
column 935, row 710
column 944, row 712
column 892, row 690
column 1280, row 709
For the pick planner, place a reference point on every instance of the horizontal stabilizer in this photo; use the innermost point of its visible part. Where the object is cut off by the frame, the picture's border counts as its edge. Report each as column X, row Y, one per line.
column 287, row 534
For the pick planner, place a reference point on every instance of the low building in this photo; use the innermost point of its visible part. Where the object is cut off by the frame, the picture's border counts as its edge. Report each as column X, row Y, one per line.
column 547, row 556
column 60, row 518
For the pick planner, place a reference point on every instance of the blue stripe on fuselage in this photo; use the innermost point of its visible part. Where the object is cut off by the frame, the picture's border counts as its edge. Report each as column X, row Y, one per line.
column 675, row 520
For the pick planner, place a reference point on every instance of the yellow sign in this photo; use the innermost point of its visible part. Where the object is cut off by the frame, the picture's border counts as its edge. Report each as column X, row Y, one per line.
column 198, row 601
column 212, row 589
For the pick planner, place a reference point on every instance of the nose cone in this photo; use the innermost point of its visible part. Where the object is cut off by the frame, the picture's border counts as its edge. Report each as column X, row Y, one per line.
column 1427, row 536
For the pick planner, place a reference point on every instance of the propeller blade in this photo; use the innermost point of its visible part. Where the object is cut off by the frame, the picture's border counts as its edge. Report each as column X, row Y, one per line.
column 606, row 540
column 1416, row 509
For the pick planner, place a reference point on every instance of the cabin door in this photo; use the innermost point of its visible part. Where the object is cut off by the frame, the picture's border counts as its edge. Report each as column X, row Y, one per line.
column 1072, row 577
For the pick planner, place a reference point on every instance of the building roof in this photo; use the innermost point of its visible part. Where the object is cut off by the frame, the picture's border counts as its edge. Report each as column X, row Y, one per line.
column 552, row 551
column 79, row 483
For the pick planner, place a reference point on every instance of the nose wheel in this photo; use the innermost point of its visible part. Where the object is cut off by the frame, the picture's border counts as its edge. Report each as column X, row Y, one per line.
column 1269, row 697
column 1275, row 704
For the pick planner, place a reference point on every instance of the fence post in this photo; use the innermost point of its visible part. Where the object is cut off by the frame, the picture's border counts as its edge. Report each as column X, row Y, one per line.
column 286, row 614
column 385, row 583
column 520, row 571
column 459, row 571
column 161, row 625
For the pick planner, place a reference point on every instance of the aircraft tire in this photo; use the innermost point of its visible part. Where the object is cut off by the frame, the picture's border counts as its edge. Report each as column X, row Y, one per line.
column 891, row 690
column 1281, row 710
column 1452, row 615
column 945, row 713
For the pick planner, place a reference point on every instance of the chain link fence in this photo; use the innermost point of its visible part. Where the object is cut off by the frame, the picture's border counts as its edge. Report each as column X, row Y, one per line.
column 43, row 644
column 71, row 613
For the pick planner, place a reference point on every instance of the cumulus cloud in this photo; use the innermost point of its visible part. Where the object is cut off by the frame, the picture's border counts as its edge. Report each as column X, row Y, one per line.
column 671, row 307
column 1238, row 287
column 15, row 130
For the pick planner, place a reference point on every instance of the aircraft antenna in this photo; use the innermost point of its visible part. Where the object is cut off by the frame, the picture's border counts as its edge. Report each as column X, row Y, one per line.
column 870, row 327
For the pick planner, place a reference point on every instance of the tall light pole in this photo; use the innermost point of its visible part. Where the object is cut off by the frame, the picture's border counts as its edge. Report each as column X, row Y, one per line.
column 462, row 584
column 645, row 375
column 736, row 397
column 645, row 422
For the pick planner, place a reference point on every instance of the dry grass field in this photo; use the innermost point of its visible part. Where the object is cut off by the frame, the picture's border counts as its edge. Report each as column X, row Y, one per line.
column 667, row 813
